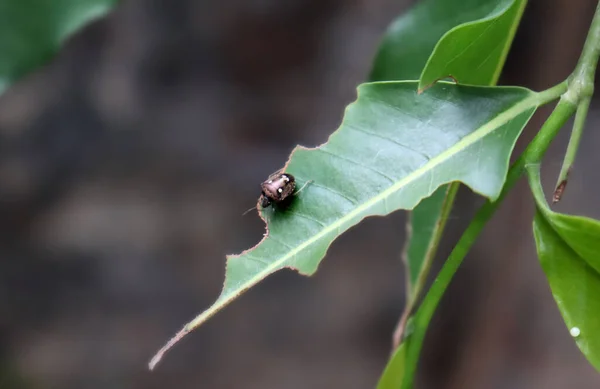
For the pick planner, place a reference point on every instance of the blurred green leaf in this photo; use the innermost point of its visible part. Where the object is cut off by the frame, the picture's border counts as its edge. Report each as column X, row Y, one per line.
column 393, row 375
column 423, row 221
column 474, row 52
column 32, row 31
column 394, row 147
column 569, row 251
column 411, row 39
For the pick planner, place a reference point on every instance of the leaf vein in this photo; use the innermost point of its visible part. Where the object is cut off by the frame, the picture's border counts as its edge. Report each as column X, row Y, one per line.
column 478, row 37
column 281, row 242
column 329, row 189
column 359, row 129
column 303, row 216
column 257, row 260
column 390, row 179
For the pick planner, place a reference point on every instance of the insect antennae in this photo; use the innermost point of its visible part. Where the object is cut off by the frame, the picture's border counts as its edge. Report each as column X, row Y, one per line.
column 243, row 214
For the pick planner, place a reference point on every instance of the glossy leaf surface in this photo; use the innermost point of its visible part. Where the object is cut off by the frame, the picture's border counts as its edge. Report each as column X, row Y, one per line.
column 474, row 52
column 581, row 234
column 412, row 38
column 569, row 251
column 394, row 148
column 31, row 31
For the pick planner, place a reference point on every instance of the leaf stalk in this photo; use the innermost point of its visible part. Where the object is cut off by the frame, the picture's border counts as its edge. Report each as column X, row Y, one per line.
column 581, row 89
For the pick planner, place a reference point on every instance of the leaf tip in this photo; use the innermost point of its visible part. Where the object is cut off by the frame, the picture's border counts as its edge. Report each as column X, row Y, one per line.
column 160, row 353
column 423, row 87
column 154, row 361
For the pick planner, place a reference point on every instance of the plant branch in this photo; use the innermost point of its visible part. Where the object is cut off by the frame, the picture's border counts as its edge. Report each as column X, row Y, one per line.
column 533, row 154
column 581, row 81
column 581, row 89
column 535, row 184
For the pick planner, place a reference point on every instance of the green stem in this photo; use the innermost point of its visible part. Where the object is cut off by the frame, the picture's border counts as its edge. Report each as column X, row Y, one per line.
column 581, row 89
column 532, row 155
column 535, row 184
column 578, row 125
column 581, row 82
column 537, row 148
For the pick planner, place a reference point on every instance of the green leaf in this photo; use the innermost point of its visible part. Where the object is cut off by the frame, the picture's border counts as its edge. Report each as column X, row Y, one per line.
column 31, row 31
column 393, row 375
column 394, row 148
column 581, row 234
column 424, row 220
column 569, row 251
column 403, row 54
column 474, row 52
column 411, row 39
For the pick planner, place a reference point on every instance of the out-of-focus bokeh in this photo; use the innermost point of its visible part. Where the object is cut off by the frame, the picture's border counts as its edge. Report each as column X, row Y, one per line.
column 126, row 165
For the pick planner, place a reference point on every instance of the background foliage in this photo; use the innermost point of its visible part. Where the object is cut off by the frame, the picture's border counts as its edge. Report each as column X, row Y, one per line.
column 114, row 221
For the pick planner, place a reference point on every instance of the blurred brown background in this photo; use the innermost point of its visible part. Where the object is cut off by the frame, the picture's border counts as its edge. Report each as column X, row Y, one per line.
column 126, row 165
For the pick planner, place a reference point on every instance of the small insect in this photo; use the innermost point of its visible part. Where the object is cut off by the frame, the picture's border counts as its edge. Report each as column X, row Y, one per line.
column 276, row 189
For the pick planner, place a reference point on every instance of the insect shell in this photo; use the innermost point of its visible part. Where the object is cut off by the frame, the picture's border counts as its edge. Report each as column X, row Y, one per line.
column 276, row 189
